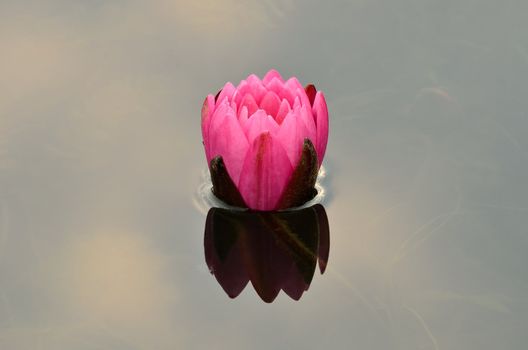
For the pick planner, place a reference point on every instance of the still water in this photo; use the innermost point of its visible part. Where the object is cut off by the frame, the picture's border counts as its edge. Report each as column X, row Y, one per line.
column 101, row 232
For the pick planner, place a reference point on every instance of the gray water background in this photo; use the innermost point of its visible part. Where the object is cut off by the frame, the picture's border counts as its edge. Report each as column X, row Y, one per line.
column 101, row 241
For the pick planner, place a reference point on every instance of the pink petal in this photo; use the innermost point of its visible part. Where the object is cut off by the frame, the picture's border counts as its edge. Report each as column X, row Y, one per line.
column 234, row 107
column 303, row 97
column 296, row 103
column 284, row 109
column 282, row 92
column 252, row 86
column 243, row 117
column 320, row 111
column 291, row 135
column 253, row 79
column 265, row 173
column 293, row 84
column 249, row 102
column 271, row 75
column 228, row 141
column 308, row 120
column 207, row 110
column 227, row 91
column 270, row 103
column 258, row 123
column 275, row 85
column 257, row 88
column 242, row 89
column 216, row 118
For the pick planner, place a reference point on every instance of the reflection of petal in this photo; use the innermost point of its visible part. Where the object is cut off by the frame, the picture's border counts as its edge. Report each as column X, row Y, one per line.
column 294, row 285
column 273, row 250
column 223, row 255
column 324, row 237
column 265, row 263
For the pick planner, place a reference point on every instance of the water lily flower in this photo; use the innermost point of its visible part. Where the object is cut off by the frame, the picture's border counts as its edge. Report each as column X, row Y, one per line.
column 265, row 141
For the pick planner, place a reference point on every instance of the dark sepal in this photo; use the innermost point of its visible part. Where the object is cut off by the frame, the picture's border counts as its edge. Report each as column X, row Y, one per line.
column 223, row 187
column 301, row 187
column 311, row 91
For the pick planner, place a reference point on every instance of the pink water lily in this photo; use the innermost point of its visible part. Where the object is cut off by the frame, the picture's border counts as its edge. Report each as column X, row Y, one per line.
column 265, row 141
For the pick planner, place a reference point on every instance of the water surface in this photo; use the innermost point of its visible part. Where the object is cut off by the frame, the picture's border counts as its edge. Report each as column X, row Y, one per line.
column 101, row 242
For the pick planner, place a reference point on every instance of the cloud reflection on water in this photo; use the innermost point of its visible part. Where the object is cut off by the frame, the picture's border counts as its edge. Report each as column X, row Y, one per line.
column 100, row 150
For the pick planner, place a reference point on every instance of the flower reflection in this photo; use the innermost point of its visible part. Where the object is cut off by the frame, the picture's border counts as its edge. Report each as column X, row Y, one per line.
column 273, row 250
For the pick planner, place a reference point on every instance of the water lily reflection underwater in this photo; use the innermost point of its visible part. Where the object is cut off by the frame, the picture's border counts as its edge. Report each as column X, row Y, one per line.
column 265, row 141
column 274, row 250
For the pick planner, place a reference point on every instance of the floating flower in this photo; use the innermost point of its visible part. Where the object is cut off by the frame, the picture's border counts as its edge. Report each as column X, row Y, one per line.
column 265, row 141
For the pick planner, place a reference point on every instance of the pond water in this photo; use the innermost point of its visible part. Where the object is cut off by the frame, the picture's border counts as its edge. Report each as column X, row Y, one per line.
column 101, row 231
